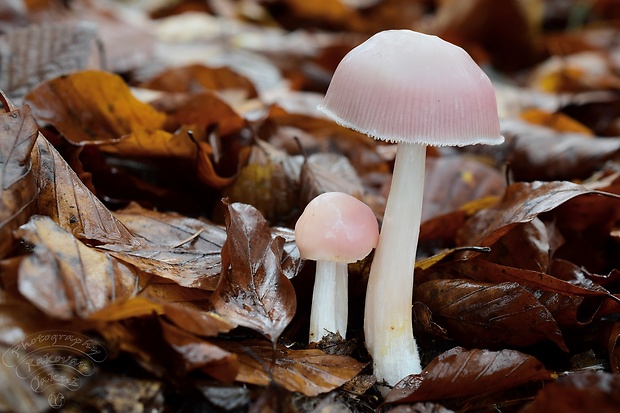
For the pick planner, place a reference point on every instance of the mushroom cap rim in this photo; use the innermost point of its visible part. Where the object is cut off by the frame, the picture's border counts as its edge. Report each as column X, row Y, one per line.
column 423, row 140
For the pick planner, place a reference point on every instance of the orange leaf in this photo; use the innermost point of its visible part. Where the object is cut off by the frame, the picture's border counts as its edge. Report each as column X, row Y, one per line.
column 98, row 107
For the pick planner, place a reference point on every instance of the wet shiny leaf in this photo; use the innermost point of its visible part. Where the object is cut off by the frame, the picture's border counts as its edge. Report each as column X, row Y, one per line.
column 253, row 291
column 489, row 315
column 579, row 392
column 462, row 373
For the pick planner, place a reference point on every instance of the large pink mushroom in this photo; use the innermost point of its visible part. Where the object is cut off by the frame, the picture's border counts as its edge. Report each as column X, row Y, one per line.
column 335, row 229
column 417, row 90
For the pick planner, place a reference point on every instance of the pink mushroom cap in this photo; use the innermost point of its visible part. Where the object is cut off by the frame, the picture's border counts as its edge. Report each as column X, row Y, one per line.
column 405, row 86
column 336, row 227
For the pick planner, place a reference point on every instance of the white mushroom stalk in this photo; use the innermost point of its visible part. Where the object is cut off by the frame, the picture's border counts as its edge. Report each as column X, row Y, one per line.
column 417, row 90
column 335, row 229
column 330, row 300
column 388, row 322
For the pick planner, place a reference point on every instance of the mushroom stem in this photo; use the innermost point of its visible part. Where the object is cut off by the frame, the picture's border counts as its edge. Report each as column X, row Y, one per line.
column 329, row 300
column 388, row 323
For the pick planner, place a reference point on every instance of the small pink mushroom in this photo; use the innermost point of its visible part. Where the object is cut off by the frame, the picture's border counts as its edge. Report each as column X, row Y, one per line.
column 417, row 90
column 335, row 229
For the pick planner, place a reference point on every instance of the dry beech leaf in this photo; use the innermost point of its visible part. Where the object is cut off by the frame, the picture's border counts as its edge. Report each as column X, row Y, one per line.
column 328, row 172
column 253, row 291
column 65, row 278
column 133, row 307
column 98, row 107
column 486, row 271
column 206, row 110
column 197, row 353
column 269, row 181
column 18, row 189
column 33, row 54
column 489, row 315
column 310, row 372
column 206, row 170
column 182, row 249
column 197, row 78
column 192, row 318
column 578, row 392
column 522, row 202
column 64, row 198
column 461, row 373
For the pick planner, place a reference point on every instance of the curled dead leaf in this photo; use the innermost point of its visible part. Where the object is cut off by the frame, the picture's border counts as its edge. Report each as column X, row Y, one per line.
column 18, row 190
column 65, row 278
column 253, row 290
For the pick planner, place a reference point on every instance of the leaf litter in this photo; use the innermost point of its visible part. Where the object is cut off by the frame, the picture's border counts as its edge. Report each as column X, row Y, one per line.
column 150, row 193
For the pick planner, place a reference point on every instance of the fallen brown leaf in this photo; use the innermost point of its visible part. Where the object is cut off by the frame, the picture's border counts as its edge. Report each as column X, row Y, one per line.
column 453, row 181
column 65, row 278
column 269, row 181
column 33, row 54
column 462, row 373
column 253, row 290
column 64, row 198
column 579, row 392
column 197, row 353
column 310, row 372
column 541, row 153
column 196, row 78
column 522, row 202
column 98, row 107
column 489, row 315
column 328, row 172
column 18, row 190
column 182, row 249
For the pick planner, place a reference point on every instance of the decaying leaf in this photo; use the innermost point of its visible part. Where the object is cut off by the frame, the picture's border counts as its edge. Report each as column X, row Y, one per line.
column 116, row 394
column 485, row 314
column 579, row 392
column 64, row 198
column 65, row 278
column 328, row 172
column 197, row 353
column 205, row 110
column 522, row 202
column 18, row 190
column 184, row 250
column 462, row 373
column 541, row 153
column 98, row 107
column 310, row 372
column 253, row 291
column 485, row 271
column 33, row 54
column 269, row 181
column 196, row 78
